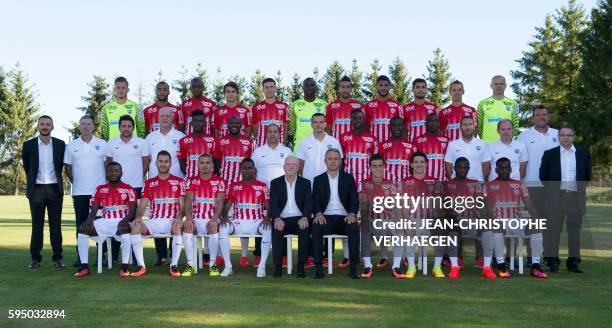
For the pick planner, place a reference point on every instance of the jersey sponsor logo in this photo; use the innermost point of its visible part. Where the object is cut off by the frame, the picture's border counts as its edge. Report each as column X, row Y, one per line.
column 246, row 206
column 305, row 120
column 269, row 122
column 233, row 159
column 115, row 208
column 453, row 126
column 204, row 200
column 357, row 156
column 435, row 156
column 343, row 121
column 417, row 123
column 381, row 121
column 392, row 104
column 165, row 200
column 355, row 105
column 97, row 147
column 135, row 146
column 261, row 106
column 104, row 190
column 493, row 119
column 335, row 105
column 392, row 161
column 478, row 148
column 422, row 139
column 516, row 151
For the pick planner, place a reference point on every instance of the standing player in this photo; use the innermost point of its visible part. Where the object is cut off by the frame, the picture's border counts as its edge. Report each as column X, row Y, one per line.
column 397, row 152
column 117, row 200
column 434, row 144
column 203, row 207
column 509, row 148
column 195, row 144
column 504, row 196
column 198, row 102
column 151, row 113
column 249, row 198
column 338, row 113
column 301, row 111
column 231, row 150
column 380, row 111
column 119, row 106
column 415, row 113
column 231, row 108
column 452, row 114
column 493, row 109
column 358, row 146
column 166, row 194
column 472, row 148
column 269, row 111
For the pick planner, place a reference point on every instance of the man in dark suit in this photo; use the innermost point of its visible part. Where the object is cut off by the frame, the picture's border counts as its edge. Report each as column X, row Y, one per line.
column 43, row 161
column 290, row 208
column 335, row 207
column 565, row 172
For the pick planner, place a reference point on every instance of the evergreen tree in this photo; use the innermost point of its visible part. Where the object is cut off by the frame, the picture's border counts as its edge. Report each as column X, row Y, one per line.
column 98, row 95
column 282, row 91
column 399, row 81
column 370, row 84
column 357, row 79
column 255, row 91
column 331, row 81
column 181, row 85
column 217, row 88
column 295, row 90
column 438, row 79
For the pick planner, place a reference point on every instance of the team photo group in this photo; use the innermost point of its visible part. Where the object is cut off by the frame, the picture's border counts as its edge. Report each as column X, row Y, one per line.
column 204, row 172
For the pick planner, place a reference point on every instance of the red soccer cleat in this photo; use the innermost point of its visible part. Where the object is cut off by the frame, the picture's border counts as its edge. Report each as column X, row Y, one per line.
column 395, row 272
column 446, row 263
column 141, row 272
column 173, row 271
column 479, row 263
column 345, row 263
column 367, row 273
column 309, row 263
column 383, row 263
column 244, row 261
column 488, row 273
column 220, row 261
column 284, row 261
column 123, row 273
column 82, row 272
column 537, row 272
column 256, row 261
column 454, row 273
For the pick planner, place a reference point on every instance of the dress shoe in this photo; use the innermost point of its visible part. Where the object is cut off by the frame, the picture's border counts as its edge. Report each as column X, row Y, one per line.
column 353, row 272
column 319, row 272
column 59, row 263
column 300, row 270
column 573, row 265
column 34, row 265
column 278, row 271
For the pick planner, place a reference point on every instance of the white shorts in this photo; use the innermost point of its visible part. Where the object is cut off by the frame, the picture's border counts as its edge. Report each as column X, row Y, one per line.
column 105, row 228
column 245, row 227
column 156, row 227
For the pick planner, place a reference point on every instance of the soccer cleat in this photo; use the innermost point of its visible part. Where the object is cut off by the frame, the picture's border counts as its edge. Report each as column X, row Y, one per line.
column 396, row 273
column 503, row 271
column 244, row 261
column 227, row 272
column 124, row 273
column 479, row 262
column 256, row 261
column 284, row 261
column 488, row 273
column 213, row 271
column 261, row 272
column 173, row 271
column 220, row 261
column 537, row 272
column 345, row 263
column 454, row 272
column 367, row 273
column 325, row 262
column 189, row 271
column 461, row 264
column 446, row 262
column 85, row 271
column 382, row 263
column 309, row 263
column 437, row 272
column 411, row 272
column 139, row 273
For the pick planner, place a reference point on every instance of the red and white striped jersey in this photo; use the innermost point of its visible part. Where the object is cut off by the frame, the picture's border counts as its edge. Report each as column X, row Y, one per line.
column 114, row 201
column 504, row 197
column 164, row 196
column 190, row 149
column 450, row 119
column 205, row 105
column 338, row 116
column 248, row 199
column 415, row 116
column 205, row 195
column 231, row 151
column 379, row 114
column 264, row 114
column 357, row 150
column 385, row 188
column 397, row 154
column 151, row 116
column 435, row 148
column 426, row 187
column 461, row 189
column 224, row 113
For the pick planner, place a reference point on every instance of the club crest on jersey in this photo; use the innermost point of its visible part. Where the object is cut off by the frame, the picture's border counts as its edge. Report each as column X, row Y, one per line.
column 135, row 146
column 554, row 139
column 245, row 148
column 478, row 148
column 507, row 108
column 174, row 188
column 97, row 147
column 258, row 193
column 443, row 144
column 516, row 151
column 175, row 141
column 329, row 146
column 123, row 196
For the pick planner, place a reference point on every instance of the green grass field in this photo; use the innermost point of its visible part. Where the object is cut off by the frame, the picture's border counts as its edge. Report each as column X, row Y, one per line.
column 104, row 300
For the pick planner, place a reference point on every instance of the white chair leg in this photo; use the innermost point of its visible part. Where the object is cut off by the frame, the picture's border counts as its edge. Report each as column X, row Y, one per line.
column 289, row 254
column 512, row 253
column 520, row 254
column 424, row 254
column 330, row 256
column 194, row 244
column 109, row 252
column 100, row 245
column 198, row 251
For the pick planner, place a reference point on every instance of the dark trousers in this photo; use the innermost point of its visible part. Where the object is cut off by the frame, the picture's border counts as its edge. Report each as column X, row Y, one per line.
column 335, row 224
column 46, row 197
column 566, row 209
column 279, row 244
column 81, row 211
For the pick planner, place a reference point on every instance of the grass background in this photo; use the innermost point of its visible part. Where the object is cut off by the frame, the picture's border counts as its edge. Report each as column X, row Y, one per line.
column 565, row 299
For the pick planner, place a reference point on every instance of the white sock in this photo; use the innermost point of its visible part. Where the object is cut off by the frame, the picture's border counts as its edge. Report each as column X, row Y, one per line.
column 224, row 244
column 83, row 245
column 137, row 247
column 367, row 262
column 454, row 261
column 397, row 262
column 126, row 248
column 177, row 244
column 266, row 244
column 345, row 248
column 486, row 261
column 244, row 250
column 536, row 244
column 206, row 246
column 214, row 247
column 498, row 246
column 188, row 242
column 437, row 261
column 411, row 261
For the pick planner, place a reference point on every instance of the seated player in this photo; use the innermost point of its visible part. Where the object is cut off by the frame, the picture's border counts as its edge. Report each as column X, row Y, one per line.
column 249, row 198
column 462, row 187
column 203, row 207
column 375, row 186
column 118, row 203
column 166, row 194
column 504, row 196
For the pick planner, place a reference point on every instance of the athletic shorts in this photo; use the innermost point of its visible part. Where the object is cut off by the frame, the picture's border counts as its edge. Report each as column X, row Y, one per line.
column 201, row 226
column 245, row 227
column 156, row 227
column 105, row 228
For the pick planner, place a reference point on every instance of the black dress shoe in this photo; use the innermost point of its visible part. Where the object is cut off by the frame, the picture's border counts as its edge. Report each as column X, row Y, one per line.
column 573, row 265
column 319, row 272
column 59, row 263
column 553, row 267
column 300, row 271
column 34, row 265
column 353, row 273
column 278, row 271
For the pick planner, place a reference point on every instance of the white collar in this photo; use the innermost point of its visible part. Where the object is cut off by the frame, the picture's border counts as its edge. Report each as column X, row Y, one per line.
column 40, row 141
column 572, row 149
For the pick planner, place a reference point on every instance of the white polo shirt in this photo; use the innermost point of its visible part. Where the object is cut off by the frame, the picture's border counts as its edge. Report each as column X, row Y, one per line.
column 312, row 151
column 269, row 162
column 476, row 152
column 129, row 155
column 516, row 152
column 87, row 161
column 537, row 143
column 168, row 142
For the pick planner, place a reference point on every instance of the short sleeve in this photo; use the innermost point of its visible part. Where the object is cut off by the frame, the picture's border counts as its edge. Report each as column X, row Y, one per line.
column 485, row 156
column 449, row 157
column 266, row 193
column 131, row 195
column 68, row 155
column 222, row 186
column 524, row 156
column 145, row 148
column 96, row 199
column 109, row 149
column 180, row 152
column 145, row 191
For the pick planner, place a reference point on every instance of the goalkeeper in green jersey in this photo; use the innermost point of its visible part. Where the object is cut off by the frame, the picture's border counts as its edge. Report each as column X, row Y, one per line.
column 119, row 106
column 494, row 109
column 301, row 111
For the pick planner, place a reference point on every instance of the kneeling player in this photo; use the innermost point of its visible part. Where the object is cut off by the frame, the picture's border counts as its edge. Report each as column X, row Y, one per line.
column 203, row 208
column 249, row 197
column 118, row 203
column 166, row 193
column 504, row 196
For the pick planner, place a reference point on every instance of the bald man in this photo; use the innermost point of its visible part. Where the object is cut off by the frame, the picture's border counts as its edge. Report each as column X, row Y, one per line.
column 495, row 108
